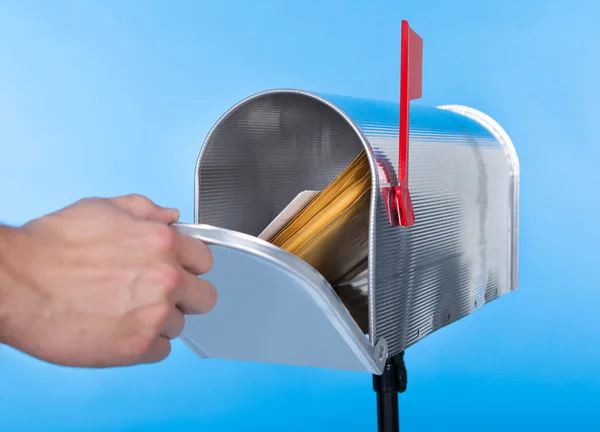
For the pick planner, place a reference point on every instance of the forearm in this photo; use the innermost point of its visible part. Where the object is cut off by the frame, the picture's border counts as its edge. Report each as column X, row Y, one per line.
column 9, row 254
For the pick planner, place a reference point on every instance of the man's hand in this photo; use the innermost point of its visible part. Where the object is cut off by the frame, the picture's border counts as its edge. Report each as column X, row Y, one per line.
column 103, row 282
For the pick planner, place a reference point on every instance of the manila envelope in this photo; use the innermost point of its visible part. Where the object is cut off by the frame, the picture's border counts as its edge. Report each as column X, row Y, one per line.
column 331, row 232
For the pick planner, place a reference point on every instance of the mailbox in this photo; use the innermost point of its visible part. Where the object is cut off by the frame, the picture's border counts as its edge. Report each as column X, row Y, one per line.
column 442, row 227
column 460, row 253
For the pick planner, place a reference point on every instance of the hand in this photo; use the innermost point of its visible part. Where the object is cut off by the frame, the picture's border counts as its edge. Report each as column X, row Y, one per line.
column 103, row 282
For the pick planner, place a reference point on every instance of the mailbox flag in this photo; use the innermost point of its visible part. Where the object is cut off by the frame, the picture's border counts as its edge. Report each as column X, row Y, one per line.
column 411, row 86
column 415, row 65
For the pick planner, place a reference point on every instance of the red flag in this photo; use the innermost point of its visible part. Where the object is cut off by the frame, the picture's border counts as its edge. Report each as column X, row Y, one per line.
column 415, row 65
column 411, row 87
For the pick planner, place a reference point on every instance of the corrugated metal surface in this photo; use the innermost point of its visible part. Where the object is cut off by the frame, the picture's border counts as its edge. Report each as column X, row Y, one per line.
column 461, row 252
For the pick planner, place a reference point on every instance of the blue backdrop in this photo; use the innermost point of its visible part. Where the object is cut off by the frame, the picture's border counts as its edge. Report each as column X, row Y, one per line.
column 111, row 97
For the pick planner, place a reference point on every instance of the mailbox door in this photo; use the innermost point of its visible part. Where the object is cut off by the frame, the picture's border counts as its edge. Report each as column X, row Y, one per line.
column 273, row 307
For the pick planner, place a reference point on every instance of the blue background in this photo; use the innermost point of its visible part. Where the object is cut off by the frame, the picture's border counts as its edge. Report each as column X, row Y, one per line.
column 112, row 97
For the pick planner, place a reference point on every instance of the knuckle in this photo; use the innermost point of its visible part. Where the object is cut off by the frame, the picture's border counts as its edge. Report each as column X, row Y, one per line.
column 169, row 277
column 149, row 324
column 164, row 277
column 159, row 317
column 89, row 201
column 163, row 311
column 139, row 204
column 138, row 200
column 138, row 345
column 165, row 238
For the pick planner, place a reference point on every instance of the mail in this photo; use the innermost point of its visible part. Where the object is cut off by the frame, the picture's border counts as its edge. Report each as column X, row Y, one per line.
column 331, row 232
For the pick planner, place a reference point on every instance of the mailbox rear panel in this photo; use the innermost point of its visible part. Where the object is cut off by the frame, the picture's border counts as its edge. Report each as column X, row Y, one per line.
column 463, row 176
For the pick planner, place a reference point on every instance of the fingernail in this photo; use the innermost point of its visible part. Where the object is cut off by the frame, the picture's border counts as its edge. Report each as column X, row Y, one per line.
column 175, row 212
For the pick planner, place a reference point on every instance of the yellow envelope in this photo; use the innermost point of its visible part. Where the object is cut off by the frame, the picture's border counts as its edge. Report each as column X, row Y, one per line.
column 341, row 244
column 331, row 232
column 352, row 173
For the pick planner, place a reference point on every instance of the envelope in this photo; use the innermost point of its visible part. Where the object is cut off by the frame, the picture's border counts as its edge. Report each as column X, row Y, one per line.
column 332, row 232
column 292, row 209
column 352, row 173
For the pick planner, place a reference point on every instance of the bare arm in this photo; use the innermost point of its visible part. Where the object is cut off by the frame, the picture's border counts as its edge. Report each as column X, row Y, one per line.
column 8, row 240
column 103, row 282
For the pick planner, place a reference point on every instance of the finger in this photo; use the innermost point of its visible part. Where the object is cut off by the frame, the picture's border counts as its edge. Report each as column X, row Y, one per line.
column 192, row 254
column 159, row 350
column 144, row 208
column 173, row 325
column 195, row 295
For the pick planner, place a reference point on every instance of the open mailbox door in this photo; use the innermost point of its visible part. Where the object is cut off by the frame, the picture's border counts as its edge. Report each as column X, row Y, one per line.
column 275, row 308
column 442, row 242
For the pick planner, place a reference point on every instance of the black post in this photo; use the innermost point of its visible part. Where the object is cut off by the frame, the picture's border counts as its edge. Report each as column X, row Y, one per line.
column 387, row 386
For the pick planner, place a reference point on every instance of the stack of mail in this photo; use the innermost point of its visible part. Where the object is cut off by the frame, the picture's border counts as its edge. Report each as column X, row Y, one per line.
column 329, row 229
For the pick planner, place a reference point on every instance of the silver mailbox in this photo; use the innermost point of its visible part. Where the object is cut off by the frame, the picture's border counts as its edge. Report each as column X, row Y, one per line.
column 460, row 254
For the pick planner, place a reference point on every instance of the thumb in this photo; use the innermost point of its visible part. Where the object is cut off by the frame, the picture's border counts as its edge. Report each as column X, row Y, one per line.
column 144, row 208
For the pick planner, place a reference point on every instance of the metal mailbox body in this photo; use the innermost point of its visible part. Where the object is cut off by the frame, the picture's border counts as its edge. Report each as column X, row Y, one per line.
column 460, row 254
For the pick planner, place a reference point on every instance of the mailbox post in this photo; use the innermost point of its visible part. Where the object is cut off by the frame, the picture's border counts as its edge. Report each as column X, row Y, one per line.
column 392, row 381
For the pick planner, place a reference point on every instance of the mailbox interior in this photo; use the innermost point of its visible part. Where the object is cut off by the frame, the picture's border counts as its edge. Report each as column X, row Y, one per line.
column 264, row 152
